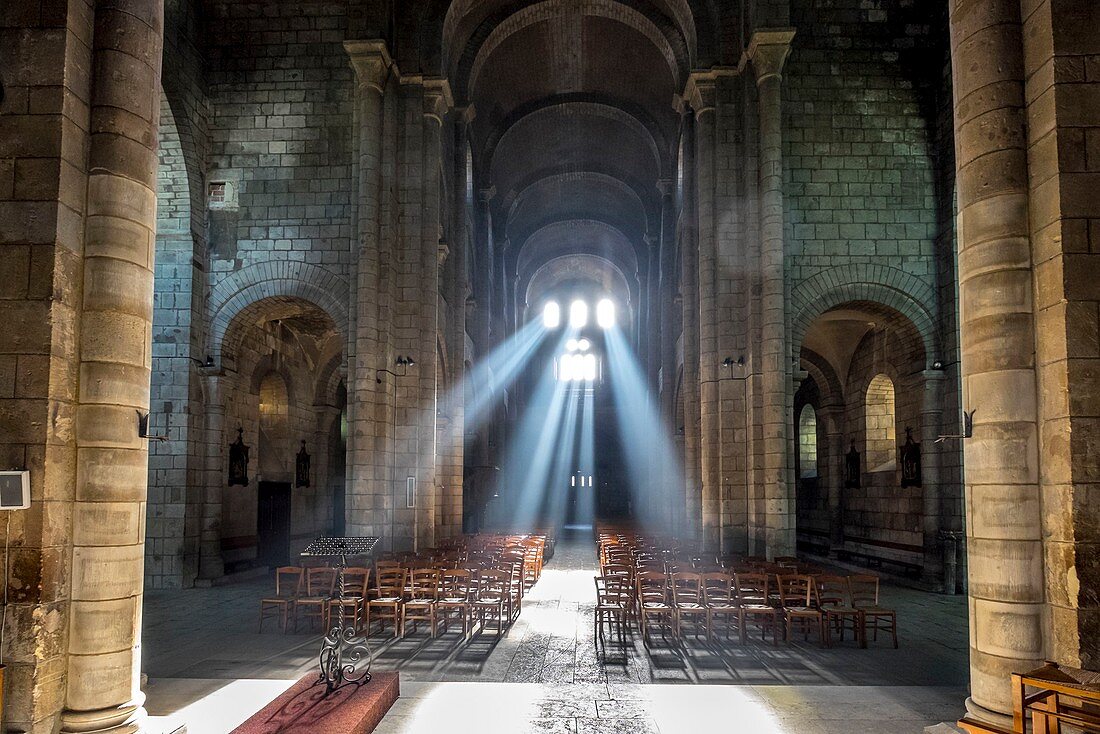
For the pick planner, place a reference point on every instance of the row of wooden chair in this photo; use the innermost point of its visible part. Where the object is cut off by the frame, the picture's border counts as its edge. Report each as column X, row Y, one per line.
column 785, row 605
column 640, row 581
column 400, row 595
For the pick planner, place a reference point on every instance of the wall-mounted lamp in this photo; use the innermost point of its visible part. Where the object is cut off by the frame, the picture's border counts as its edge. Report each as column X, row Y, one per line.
column 938, row 366
column 728, row 362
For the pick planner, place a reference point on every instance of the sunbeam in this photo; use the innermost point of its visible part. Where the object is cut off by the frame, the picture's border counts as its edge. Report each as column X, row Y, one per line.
column 653, row 468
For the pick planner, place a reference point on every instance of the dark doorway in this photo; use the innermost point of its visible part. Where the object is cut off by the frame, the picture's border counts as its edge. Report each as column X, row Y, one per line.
column 273, row 524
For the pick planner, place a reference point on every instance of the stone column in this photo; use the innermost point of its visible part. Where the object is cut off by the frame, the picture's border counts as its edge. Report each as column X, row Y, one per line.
column 831, row 419
column 437, row 100
column 1001, row 461
column 211, row 565
column 668, row 304
column 690, row 304
column 108, row 522
column 768, row 52
column 653, row 309
column 701, row 94
column 368, row 506
column 459, row 289
column 932, row 522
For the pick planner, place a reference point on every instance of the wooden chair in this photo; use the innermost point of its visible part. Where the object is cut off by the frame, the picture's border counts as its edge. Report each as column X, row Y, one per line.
column 354, row 603
column 612, row 606
column 652, row 600
column 389, row 595
column 456, row 587
column 754, row 596
column 686, row 593
column 288, row 585
column 798, row 597
column 864, row 594
column 320, row 582
column 720, row 596
column 491, row 598
column 420, row 606
column 836, row 605
column 514, row 602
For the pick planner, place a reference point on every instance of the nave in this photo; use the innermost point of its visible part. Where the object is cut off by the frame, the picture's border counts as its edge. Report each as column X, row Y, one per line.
column 209, row 667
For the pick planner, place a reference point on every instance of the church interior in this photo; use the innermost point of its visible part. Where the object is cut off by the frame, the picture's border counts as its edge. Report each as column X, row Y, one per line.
column 572, row 366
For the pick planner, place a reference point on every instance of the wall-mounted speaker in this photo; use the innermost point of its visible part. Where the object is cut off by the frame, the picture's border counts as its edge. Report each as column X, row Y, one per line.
column 15, row 490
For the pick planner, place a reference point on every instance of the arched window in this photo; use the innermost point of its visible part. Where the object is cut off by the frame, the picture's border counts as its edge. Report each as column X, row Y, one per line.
column 807, row 443
column 879, row 420
column 274, row 449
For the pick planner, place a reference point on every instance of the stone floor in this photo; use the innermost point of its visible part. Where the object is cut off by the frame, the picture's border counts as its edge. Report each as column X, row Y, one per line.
column 209, row 668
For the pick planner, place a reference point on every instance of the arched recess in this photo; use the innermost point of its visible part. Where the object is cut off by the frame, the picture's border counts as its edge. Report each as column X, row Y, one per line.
column 176, row 399
column 891, row 288
column 289, row 280
column 273, row 455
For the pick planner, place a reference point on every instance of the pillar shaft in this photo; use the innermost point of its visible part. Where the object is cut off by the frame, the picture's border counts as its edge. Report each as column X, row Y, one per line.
column 369, row 504
column 768, row 52
column 1004, row 540
column 211, row 565
column 701, row 93
column 690, row 302
column 932, row 522
column 115, row 366
column 668, row 290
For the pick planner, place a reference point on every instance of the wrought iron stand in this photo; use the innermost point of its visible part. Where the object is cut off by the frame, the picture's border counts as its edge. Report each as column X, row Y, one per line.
column 345, row 656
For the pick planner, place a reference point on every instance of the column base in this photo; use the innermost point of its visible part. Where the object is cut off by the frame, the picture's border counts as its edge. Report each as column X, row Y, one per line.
column 125, row 719
column 981, row 713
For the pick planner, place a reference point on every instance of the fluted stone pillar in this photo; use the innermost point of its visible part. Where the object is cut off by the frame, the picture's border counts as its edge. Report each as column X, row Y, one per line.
column 369, row 500
column 108, row 522
column 768, row 53
column 1001, row 461
column 932, row 521
column 211, row 564
column 689, row 292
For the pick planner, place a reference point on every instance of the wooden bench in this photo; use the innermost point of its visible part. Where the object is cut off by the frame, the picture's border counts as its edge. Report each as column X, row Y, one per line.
column 1058, row 695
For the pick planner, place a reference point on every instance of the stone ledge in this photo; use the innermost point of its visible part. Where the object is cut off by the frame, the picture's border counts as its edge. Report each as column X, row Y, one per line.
column 304, row 709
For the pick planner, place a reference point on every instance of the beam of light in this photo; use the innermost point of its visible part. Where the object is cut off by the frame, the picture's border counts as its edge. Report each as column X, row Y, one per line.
column 551, row 315
column 585, row 513
column 656, row 475
column 556, row 490
column 578, row 314
column 605, row 313
column 530, row 453
column 483, row 384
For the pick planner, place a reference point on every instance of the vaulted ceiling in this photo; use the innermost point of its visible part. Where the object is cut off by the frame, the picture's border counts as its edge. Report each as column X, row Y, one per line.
column 574, row 125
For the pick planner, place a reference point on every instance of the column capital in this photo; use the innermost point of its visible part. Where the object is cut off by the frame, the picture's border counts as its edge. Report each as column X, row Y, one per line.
column 666, row 186
column 701, row 91
column 371, row 61
column 442, row 252
column 437, row 97
column 486, row 194
column 768, row 51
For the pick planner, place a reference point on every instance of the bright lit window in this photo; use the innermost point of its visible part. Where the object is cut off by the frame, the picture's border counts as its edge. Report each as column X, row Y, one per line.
column 589, row 367
column 578, row 367
column 551, row 315
column 605, row 313
column 807, row 442
column 578, row 314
